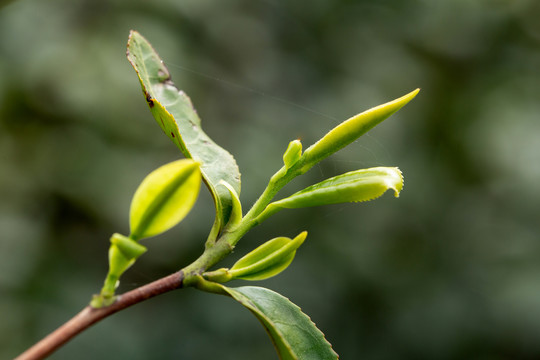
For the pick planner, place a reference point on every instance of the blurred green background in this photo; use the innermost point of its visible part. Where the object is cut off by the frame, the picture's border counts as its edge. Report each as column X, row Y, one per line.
column 450, row 270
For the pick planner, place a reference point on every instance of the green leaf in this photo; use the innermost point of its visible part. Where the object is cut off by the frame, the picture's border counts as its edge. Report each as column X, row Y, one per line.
column 293, row 333
column 350, row 130
column 264, row 262
column 174, row 112
column 267, row 260
column 164, row 198
column 354, row 186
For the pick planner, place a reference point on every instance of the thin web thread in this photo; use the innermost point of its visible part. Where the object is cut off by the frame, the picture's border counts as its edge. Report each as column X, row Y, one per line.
column 285, row 102
column 251, row 90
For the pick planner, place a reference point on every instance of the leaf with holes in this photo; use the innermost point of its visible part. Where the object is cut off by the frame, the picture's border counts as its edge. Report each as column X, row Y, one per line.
column 174, row 112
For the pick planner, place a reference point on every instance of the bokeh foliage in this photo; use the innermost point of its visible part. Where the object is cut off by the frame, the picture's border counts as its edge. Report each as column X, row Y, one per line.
column 450, row 270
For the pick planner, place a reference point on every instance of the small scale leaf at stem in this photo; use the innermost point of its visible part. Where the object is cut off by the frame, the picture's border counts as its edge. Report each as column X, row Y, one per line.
column 130, row 248
column 292, row 154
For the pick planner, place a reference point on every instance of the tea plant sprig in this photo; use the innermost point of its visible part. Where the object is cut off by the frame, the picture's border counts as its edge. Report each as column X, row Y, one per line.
column 167, row 195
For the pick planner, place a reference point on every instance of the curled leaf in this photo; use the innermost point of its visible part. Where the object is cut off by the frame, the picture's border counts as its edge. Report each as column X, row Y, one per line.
column 164, row 198
column 236, row 211
column 354, row 186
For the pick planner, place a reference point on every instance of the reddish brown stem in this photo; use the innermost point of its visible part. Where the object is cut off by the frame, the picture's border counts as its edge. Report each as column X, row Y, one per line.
column 89, row 316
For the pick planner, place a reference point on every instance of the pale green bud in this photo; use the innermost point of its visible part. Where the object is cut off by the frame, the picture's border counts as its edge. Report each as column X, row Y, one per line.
column 350, row 130
column 293, row 153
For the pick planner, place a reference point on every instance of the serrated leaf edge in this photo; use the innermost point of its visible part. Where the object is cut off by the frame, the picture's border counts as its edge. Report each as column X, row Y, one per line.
column 257, row 314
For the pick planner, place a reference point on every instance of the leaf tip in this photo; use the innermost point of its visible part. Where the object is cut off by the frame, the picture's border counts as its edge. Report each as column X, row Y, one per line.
column 402, row 101
column 301, row 237
column 132, row 34
column 401, row 183
column 394, row 180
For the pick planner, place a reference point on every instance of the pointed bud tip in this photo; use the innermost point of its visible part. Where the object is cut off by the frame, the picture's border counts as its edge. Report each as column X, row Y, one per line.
column 301, row 237
column 407, row 97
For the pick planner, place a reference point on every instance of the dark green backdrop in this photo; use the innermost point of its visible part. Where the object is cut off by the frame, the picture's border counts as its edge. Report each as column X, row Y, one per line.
column 450, row 270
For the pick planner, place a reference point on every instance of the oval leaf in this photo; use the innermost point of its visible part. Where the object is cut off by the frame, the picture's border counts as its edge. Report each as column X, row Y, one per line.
column 294, row 335
column 267, row 260
column 164, row 198
column 354, row 186
column 176, row 116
